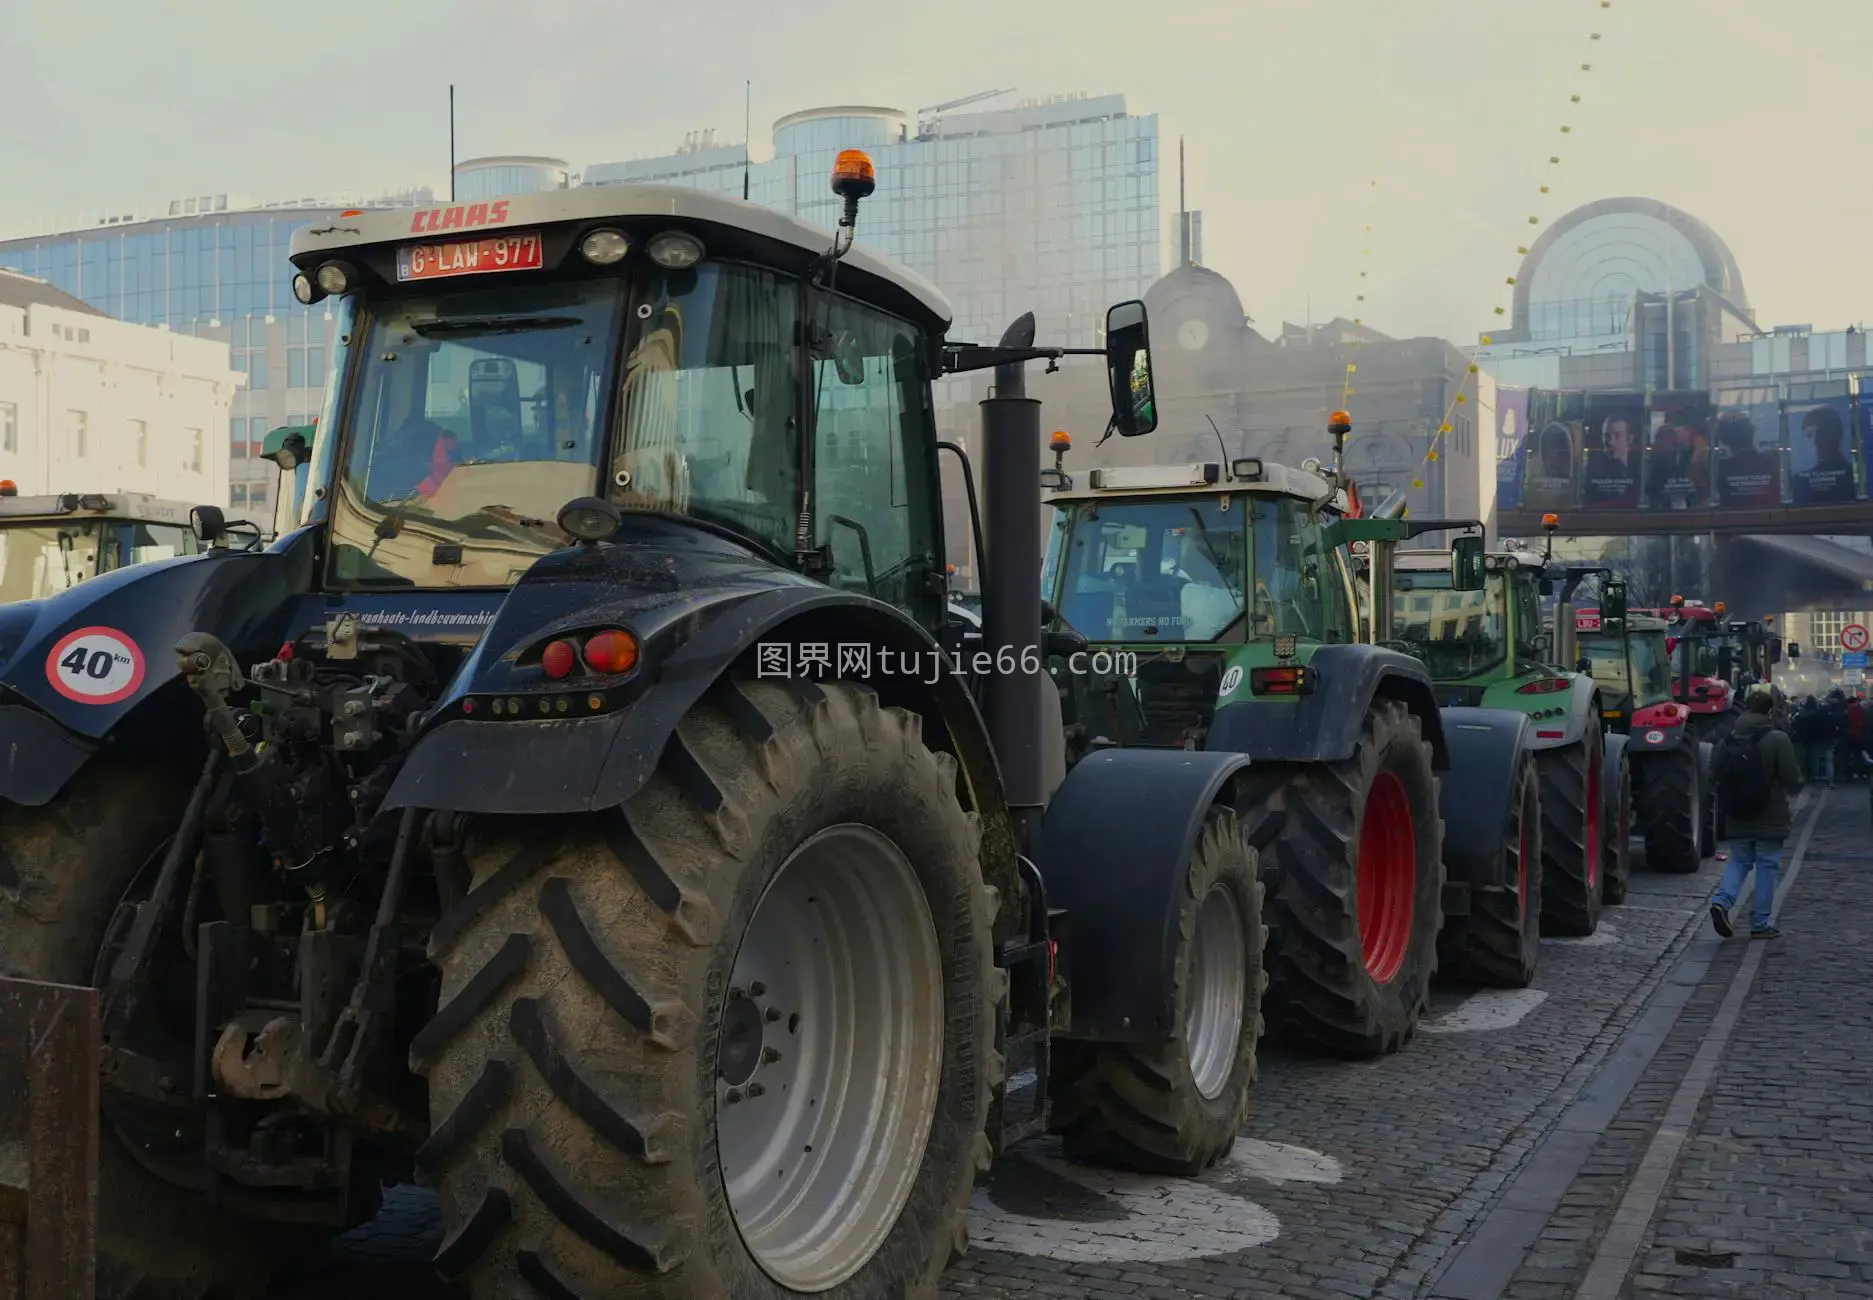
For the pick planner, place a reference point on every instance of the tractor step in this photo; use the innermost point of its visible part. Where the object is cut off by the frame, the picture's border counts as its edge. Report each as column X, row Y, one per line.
column 1020, row 1108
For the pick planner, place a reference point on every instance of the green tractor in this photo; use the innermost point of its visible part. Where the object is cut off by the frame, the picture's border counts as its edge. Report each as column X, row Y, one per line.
column 1492, row 649
column 1220, row 610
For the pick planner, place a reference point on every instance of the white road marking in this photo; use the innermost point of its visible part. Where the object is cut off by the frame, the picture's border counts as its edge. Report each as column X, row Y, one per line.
column 1485, row 1010
column 1165, row 1220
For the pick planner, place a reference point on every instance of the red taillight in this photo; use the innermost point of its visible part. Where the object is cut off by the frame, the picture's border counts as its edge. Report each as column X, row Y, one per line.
column 1546, row 686
column 1550, row 735
column 612, row 651
column 1285, row 680
column 558, row 659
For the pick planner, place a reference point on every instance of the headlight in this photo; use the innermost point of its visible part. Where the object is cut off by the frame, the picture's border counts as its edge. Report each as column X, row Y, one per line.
column 302, row 289
column 604, row 247
column 334, row 278
column 674, row 250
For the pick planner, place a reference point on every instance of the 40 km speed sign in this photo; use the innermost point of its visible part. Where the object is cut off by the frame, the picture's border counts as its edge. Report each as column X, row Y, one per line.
column 1854, row 637
column 95, row 665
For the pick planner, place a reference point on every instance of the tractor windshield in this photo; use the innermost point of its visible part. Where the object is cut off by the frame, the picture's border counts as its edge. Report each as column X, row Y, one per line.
column 42, row 559
column 1606, row 662
column 477, row 413
column 1458, row 634
column 1651, row 669
column 1162, row 569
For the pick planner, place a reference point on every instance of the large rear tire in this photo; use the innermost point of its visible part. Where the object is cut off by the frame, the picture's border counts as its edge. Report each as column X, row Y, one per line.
column 1355, row 883
column 1669, row 803
column 735, row 1038
column 1175, row 1107
column 64, row 867
column 1616, row 853
column 1571, row 803
column 1498, row 944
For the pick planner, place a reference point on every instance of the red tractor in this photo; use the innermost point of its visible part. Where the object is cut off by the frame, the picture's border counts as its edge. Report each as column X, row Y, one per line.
column 1703, row 655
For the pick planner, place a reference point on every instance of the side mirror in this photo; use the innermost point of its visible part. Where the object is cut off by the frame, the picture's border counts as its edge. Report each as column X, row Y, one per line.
column 1128, row 368
column 1466, row 563
column 1613, row 601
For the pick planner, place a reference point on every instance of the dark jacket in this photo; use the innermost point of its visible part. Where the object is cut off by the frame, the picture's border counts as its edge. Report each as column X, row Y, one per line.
column 1778, row 756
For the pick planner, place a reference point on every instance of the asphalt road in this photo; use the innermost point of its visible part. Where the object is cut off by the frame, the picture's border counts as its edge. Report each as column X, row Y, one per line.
column 1493, row 1156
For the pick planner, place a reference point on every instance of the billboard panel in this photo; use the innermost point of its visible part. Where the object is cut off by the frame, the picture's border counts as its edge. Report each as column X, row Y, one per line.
column 1613, row 442
column 1821, row 451
column 1747, row 457
column 1677, row 452
column 1511, row 434
column 1552, row 452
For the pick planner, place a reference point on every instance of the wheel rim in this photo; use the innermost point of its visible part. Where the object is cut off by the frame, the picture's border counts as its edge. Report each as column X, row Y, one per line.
column 1596, row 797
column 1388, row 872
column 1219, row 968
column 830, row 1058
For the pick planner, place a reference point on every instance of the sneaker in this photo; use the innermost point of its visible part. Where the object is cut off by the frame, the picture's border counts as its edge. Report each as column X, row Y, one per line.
column 1720, row 920
column 1767, row 932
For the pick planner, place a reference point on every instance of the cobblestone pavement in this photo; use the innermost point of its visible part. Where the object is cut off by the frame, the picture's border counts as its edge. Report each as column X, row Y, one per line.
column 1354, row 1179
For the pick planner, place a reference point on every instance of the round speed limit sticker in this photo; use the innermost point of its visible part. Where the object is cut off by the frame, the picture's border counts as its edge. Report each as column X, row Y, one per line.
column 95, row 665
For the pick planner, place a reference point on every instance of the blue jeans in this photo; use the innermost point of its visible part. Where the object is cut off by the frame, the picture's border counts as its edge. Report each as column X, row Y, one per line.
column 1824, row 760
column 1766, row 857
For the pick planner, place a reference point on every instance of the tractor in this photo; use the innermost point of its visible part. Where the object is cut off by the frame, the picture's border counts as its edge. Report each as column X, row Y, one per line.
column 1224, row 587
column 1491, row 649
column 51, row 543
column 585, row 804
column 1703, row 662
column 1671, row 797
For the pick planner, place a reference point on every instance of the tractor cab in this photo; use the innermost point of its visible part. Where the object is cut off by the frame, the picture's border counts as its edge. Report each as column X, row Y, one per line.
column 1481, row 643
column 1215, row 579
column 53, row 542
column 1629, row 661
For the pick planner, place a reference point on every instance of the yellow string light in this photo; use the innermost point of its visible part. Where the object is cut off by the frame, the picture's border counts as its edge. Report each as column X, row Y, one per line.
column 1446, row 426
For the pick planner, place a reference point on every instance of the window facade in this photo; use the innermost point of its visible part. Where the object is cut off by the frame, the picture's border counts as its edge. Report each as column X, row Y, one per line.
column 9, row 427
column 78, row 427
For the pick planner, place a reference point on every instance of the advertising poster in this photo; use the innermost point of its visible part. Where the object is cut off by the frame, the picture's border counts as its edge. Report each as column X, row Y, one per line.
column 1821, row 451
column 1552, row 451
column 1612, row 445
column 1746, row 459
column 1677, row 452
column 1511, row 430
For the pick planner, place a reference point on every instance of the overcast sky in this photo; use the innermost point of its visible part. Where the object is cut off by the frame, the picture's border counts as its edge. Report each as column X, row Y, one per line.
column 1751, row 115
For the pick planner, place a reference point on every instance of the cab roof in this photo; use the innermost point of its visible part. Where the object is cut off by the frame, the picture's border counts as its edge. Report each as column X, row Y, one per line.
column 137, row 507
column 638, row 205
column 1196, row 478
column 1441, row 559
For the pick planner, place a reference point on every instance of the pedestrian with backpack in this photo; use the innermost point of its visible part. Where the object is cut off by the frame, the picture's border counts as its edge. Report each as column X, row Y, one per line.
column 1756, row 776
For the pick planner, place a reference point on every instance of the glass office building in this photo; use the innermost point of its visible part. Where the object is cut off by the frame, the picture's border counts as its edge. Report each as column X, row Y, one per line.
column 216, row 269
column 485, row 178
column 1049, row 206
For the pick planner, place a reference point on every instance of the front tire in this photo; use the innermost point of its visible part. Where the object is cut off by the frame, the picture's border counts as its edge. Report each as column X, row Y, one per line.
column 1616, row 854
column 1175, row 1107
column 1355, row 880
column 1498, row 945
column 1670, row 806
column 1571, row 802
column 64, row 867
column 735, row 1038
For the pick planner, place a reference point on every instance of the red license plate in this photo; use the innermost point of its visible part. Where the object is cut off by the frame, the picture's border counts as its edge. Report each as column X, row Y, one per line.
column 516, row 252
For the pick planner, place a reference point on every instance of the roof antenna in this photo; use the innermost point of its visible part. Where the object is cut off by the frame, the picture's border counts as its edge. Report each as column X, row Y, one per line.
column 451, row 142
column 747, row 116
column 1221, row 446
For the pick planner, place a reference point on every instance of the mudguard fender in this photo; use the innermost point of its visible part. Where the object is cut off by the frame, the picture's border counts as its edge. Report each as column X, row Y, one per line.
column 1324, row 727
column 485, row 765
column 1473, row 797
column 137, row 613
column 1114, row 850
